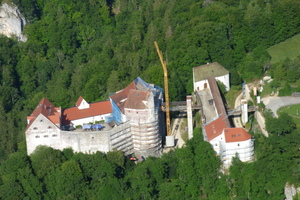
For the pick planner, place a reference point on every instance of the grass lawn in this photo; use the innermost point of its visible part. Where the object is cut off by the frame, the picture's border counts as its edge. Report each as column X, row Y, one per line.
column 267, row 90
column 233, row 93
column 293, row 111
column 183, row 131
column 290, row 48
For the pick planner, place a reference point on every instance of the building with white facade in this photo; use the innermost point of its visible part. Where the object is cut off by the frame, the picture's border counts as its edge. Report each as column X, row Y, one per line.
column 226, row 141
column 84, row 113
column 203, row 72
column 139, row 104
column 229, row 142
column 133, row 111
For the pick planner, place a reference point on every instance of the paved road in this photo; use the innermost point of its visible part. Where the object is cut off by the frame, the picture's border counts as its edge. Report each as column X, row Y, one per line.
column 176, row 130
column 261, row 122
column 237, row 119
column 274, row 103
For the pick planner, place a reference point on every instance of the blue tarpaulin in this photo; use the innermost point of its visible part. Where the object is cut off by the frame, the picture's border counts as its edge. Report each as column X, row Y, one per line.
column 98, row 126
column 86, row 126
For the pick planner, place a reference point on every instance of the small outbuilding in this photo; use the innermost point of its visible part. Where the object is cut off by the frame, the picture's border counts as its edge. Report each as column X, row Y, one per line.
column 203, row 72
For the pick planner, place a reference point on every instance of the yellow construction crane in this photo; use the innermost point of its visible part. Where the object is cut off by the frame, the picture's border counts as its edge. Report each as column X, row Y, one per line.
column 163, row 63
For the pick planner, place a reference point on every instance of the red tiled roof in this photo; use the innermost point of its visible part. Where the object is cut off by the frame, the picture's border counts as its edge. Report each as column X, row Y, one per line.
column 95, row 109
column 236, row 135
column 120, row 97
column 46, row 108
column 135, row 99
column 215, row 128
column 79, row 101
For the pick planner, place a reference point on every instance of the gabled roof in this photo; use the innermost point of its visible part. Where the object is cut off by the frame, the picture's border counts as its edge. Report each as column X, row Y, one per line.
column 137, row 99
column 236, row 135
column 95, row 109
column 46, row 108
column 215, row 128
column 79, row 101
column 218, row 98
column 209, row 70
column 120, row 97
column 82, row 103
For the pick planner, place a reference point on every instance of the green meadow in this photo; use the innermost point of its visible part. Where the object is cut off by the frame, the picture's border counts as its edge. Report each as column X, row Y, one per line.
column 290, row 48
column 293, row 111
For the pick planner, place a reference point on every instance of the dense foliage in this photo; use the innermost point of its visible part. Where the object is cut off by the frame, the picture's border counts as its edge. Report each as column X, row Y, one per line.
column 92, row 48
column 192, row 172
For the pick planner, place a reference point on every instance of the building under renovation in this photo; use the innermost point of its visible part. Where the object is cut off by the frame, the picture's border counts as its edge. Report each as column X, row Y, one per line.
column 226, row 141
column 130, row 121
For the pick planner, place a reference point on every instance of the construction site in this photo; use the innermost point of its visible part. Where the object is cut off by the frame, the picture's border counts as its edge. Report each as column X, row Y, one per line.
column 136, row 119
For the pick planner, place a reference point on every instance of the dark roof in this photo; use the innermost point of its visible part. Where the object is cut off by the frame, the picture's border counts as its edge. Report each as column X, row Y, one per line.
column 218, row 99
column 136, row 99
column 209, row 70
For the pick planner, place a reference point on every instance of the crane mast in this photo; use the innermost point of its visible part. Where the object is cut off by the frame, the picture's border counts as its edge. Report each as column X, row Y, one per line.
column 163, row 63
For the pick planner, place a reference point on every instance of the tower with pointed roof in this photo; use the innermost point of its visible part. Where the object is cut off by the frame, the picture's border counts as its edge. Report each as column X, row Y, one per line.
column 43, row 123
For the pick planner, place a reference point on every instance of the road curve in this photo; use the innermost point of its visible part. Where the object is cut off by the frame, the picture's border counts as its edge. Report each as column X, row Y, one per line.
column 274, row 103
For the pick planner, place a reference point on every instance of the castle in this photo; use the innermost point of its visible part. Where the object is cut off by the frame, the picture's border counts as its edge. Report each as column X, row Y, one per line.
column 226, row 141
column 131, row 118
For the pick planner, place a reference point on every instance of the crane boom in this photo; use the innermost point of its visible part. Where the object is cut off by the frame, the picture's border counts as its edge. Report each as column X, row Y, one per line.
column 163, row 63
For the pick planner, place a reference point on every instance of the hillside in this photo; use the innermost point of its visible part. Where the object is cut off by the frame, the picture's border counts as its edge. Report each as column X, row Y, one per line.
column 288, row 49
column 92, row 48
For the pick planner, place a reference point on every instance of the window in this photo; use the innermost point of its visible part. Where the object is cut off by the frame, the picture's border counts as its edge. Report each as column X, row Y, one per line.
column 41, row 120
column 49, row 127
column 37, row 136
column 45, row 136
column 54, row 135
column 35, row 128
column 216, row 145
column 92, row 138
column 238, row 144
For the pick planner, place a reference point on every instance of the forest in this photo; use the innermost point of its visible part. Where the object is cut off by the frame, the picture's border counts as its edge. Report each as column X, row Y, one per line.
column 94, row 48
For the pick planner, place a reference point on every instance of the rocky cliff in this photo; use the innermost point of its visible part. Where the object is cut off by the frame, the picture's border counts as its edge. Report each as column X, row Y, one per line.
column 12, row 22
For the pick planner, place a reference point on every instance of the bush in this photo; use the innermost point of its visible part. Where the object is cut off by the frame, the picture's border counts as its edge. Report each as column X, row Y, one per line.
column 78, row 127
column 286, row 90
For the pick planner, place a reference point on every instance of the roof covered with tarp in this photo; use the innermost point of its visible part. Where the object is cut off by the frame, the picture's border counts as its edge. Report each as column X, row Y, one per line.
column 138, row 84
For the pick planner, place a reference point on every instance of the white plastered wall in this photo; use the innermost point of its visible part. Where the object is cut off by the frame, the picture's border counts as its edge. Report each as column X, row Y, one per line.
column 89, row 119
column 42, row 132
column 243, row 148
column 225, row 80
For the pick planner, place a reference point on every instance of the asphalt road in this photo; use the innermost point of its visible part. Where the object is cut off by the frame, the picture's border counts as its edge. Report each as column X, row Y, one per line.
column 274, row 103
column 237, row 119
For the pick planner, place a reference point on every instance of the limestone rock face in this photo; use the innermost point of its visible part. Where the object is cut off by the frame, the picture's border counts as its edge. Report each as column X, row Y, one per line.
column 12, row 22
column 290, row 191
